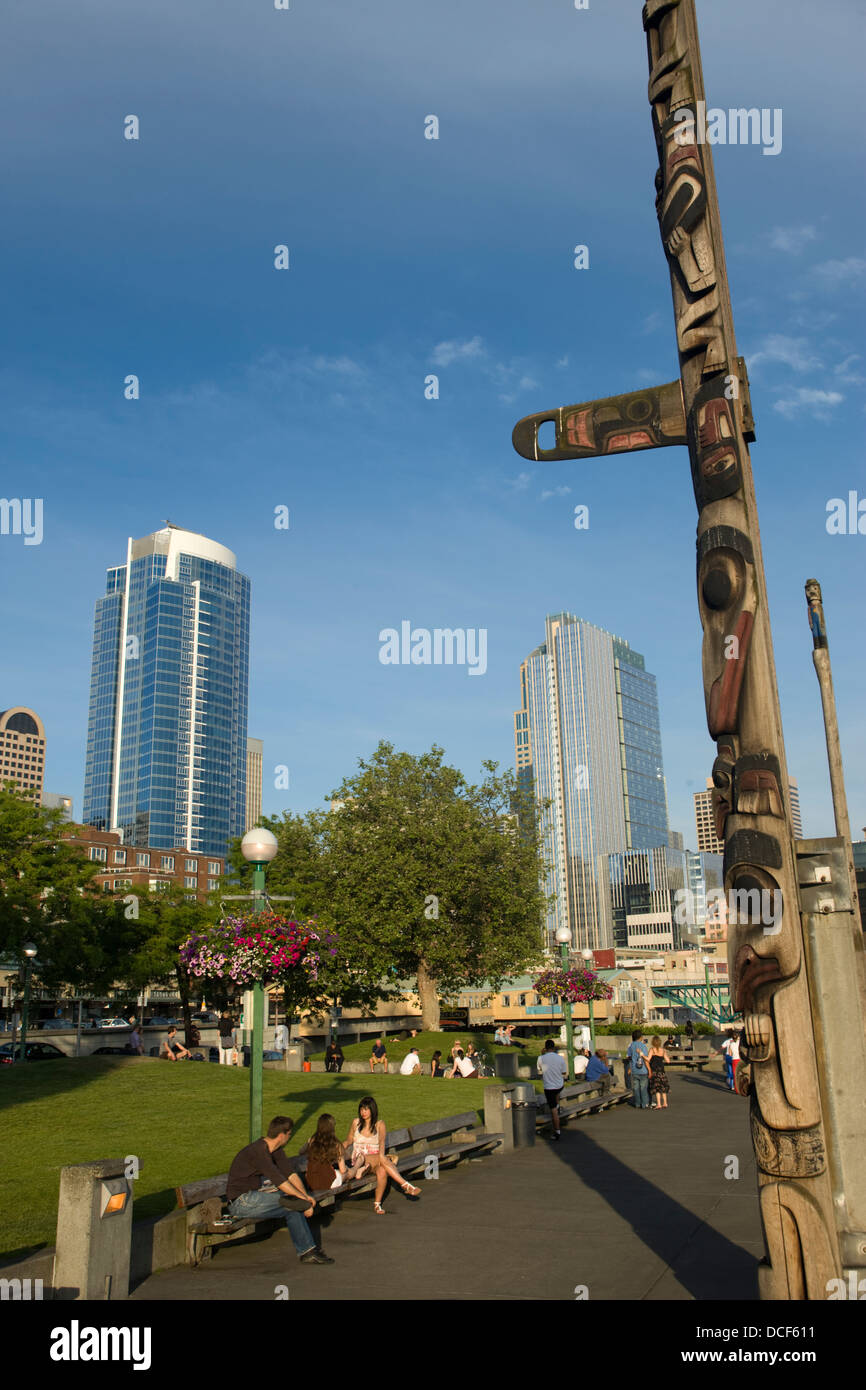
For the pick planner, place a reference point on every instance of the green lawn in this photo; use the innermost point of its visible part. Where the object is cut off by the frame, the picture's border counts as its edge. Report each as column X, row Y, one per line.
column 183, row 1122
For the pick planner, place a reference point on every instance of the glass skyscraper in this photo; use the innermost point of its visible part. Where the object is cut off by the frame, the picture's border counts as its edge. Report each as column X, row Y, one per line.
column 167, row 734
column 587, row 740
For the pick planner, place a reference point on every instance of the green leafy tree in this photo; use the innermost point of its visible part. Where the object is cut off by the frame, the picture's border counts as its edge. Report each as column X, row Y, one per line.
column 428, row 877
column 166, row 918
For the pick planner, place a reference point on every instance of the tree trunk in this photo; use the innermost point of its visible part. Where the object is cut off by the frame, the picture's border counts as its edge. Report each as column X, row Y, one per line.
column 183, row 991
column 428, row 995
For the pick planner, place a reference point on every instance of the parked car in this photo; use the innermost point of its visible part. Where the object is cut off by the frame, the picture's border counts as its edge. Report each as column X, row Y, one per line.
column 112, row 1023
column 48, row 1023
column 112, row 1051
column 205, row 1016
column 159, row 1022
column 36, row 1052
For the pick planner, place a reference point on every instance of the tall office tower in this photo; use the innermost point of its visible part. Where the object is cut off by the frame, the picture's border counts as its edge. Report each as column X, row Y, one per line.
column 587, row 739
column 167, row 737
column 705, row 822
column 22, row 750
column 255, row 754
column 675, row 839
column 56, row 801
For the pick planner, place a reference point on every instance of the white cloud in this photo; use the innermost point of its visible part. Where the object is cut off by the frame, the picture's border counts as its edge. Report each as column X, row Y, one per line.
column 794, row 352
column 846, row 373
column 562, row 362
column 791, row 239
column 561, row 491
column 520, row 483
column 817, row 403
column 446, row 353
column 838, row 273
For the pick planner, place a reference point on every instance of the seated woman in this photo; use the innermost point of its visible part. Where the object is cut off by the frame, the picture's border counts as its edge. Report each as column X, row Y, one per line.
column 436, row 1067
column 366, row 1141
column 326, row 1166
column 463, row 1067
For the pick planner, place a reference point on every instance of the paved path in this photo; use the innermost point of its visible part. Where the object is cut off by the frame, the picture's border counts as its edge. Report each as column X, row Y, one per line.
column 632, row 1204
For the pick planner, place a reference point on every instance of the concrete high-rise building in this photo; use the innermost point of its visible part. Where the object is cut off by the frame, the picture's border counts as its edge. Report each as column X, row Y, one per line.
column 255, row 754
column 22, row 750
column 57, row 801
column 587, row 740
column 167, row 738
column 646, row 888
column 705, row 823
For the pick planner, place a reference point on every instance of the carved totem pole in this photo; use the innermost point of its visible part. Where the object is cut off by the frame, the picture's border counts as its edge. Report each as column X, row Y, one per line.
column 709, row 409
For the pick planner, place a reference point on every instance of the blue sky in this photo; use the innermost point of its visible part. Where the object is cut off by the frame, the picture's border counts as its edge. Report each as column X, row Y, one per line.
column 305, row 388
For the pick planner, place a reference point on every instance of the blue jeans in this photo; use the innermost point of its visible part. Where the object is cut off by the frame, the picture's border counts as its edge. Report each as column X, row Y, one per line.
column 640, row 1089
column 268, row 1204
column 729, row 1070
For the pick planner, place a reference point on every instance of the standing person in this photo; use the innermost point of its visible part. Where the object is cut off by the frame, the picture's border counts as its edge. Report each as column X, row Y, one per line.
column 265, row 1161
column 411, row 1063
column 281, row 1038
column 135, row 1041
column 728, row 1060
column 735, row 1057
column 237, row 1045
column 638, row 1056
column 554, row 1074
column 436, row 1068
column 379, row 1054
column 326, row 1167
column 367, row 1138
column 659, row 1085
column 689, row 1031
column 226, row 1044
column 334, row 1058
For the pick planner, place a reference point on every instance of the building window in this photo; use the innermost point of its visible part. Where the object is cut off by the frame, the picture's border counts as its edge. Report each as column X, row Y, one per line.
column 191, row 866
column 506, row 1001
column 98, row 852
column 212, row 884
column 213, row 867
column 167, row 862
column 190, row 881
column 143, row 861
column 120, row 856
column 106, row 885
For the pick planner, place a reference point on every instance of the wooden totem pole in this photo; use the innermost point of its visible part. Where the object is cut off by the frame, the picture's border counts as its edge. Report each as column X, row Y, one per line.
column 811, row 1237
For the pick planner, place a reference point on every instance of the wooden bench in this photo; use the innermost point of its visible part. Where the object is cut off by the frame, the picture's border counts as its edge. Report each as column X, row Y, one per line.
column 463, row 1133
column 581, row 1098
column 208, row 1223
column 691, row 1057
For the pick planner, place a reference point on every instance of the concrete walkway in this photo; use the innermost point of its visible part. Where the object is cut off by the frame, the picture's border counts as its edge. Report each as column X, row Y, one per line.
column 630, row 1204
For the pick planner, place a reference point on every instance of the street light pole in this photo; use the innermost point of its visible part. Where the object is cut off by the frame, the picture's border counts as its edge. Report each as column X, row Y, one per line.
column 563, row 936
column 258, row 847
column 29, row 953
column 710, row 1011
column 587, row 955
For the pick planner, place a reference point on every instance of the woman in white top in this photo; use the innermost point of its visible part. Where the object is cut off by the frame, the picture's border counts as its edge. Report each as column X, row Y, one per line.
column 463, row 1066
column 366, row 1142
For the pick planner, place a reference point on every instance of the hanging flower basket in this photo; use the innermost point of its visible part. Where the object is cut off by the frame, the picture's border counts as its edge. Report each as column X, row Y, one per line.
column 576, row 986
column 267, row 949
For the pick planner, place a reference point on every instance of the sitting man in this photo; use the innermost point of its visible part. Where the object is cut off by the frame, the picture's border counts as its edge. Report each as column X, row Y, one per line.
column 379, row 1054
column 171, row 1048
column 411, row 1063
column 265, row 1162
column 334, row 1058
column 598, row 1070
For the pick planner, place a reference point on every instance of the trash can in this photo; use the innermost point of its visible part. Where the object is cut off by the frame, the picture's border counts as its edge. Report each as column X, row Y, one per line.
column 505, row 1063
column 523, row 1114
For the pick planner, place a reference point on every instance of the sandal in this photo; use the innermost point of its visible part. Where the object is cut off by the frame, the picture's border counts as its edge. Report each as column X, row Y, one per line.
column 410, row 1190
column 379, row 1209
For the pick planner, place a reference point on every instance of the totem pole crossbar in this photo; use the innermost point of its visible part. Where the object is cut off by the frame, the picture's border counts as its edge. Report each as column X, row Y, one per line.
column 807, row 1226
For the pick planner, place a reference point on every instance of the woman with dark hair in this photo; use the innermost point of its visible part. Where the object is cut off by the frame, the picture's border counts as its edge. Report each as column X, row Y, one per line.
column 326, row 1166
column 367, row 1136
column 436, row 1067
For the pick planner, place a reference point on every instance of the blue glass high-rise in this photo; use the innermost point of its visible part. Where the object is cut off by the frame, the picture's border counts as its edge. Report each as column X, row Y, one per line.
column 167, row 734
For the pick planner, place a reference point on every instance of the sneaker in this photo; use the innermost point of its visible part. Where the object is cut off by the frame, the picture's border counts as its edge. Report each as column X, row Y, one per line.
column 557, row 1134
column 316, row 1257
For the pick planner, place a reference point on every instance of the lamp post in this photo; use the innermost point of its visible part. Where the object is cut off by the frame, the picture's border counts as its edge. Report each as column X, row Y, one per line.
column 706, row 960
column 29, row 955
column 563, row 936
column 258, row 848
column 587, row 955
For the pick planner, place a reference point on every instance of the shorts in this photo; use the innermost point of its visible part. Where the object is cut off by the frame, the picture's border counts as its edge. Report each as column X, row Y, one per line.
column 552, row 1097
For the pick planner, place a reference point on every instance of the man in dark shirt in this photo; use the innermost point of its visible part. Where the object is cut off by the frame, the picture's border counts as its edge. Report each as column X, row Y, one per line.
column 379, row 1055
column 266, row 1162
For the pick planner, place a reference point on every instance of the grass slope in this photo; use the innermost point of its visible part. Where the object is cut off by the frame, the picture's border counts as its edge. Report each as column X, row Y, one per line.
column 183, row 1122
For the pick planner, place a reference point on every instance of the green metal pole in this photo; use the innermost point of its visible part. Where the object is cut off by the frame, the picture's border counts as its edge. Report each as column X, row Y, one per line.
column 257, row 1044
column 709, row 997
column 24, row 1008
column 569, row 1027
column 591, row 1026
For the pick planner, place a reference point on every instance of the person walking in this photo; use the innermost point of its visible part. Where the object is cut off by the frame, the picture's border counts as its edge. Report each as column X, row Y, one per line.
column 735, row 1057
column 728, row 1060
column 265, row 1162
column 366, row 1140
column 638, row 1057
column 226, row 1043
column 135, row 1041
column 659, row 1086
column 554, row 1074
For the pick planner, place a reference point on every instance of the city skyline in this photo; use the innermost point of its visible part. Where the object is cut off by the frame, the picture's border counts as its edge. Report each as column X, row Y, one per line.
column 304, row 389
